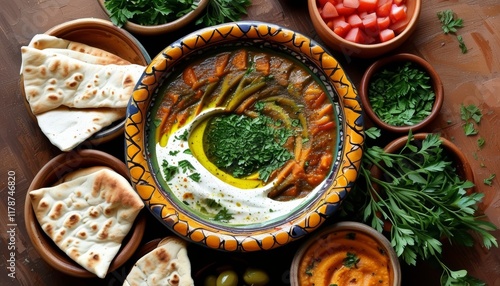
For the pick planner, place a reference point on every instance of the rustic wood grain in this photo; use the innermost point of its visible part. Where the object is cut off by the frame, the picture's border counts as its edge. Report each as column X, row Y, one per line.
column 471, row 78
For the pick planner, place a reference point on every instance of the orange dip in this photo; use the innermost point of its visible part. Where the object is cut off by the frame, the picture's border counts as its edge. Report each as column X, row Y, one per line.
column 345, row 257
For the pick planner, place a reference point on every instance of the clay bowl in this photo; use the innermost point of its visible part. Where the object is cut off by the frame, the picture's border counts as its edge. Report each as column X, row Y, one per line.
column 352, row 49
column 50, row 173
column 397, row 60
column 327, row 249
column 163, row 28
column 185, row 205
column 104, row 35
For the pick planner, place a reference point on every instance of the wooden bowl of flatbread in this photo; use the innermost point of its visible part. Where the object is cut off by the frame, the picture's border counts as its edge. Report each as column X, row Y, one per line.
column 76, row 79
column 81, row 216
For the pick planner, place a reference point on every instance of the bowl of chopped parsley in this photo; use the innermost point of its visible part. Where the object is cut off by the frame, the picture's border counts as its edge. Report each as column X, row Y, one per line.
column 154, row 17
column 401, row 92
column 245, row 140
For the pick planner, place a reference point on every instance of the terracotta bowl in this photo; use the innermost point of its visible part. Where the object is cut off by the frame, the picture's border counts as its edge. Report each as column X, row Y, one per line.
column 186, row 208
column 379, row 65
column 327, row 249
column 163, row 28
column 104, row 35
column 50, row 173
column 351, row 49
column 456, row 155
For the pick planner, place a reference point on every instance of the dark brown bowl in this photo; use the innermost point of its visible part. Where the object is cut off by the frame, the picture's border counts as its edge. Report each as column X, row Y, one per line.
column 54, row 170
column 378, row 65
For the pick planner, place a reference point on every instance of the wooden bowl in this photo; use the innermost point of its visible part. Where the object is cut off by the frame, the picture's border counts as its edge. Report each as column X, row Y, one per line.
column 50, row 174
column 379, row 65
column 335, row 242
column 162, row 28
column 351, row 49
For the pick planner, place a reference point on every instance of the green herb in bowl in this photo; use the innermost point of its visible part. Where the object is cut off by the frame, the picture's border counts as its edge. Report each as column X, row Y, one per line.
column 402, row 92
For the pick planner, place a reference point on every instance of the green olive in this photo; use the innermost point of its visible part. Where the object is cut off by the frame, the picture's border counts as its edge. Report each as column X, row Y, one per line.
column 255, row 277
column 210, row 280
column 227, row 278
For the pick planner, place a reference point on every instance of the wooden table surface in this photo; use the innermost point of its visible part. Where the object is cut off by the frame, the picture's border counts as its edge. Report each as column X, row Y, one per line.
column 472, row 78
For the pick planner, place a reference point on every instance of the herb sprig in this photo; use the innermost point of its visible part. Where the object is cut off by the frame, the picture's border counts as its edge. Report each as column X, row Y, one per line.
column 424, row 200
column 221, row 11
column 450, row 25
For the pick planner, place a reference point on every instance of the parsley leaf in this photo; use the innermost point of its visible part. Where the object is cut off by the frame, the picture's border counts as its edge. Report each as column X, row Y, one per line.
column 223, row 215
column 489, row 181
column 221, row 11
column 448, row 21
column 351, row 260
column 169, row 170
column 461, row 45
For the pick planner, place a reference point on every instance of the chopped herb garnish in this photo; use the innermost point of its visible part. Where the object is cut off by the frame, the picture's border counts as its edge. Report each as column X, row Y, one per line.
column 489, row 181
column 469, row 129
column 461, row 45
column 223, row 215
column 211, row 203
column 185, row 165
column 351, row 260
column 188, row 151
column 183, row 136
column 472, row 115
column 169, row 170
column 241, row 145
column 480, row 142
column 173, row 152
column 195, row 177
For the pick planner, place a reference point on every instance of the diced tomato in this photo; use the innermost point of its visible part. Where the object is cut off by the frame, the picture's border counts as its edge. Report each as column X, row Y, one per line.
column 398, row 13
column 329, row 11
column 343, row 10
column 384, row 9
column 351, row 3
column 367, row 5
column 383, row 23
column 399, row 26
column 386, row 35
column 355, row 21
column 355, row 35
column 370, row 21
column 341, row 28
column 337, row 20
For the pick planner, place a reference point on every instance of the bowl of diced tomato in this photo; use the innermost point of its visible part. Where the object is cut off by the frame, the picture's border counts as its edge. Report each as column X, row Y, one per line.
column 364, row 28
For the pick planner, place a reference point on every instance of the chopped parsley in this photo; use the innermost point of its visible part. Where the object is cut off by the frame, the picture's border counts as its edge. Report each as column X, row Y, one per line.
column 168, row 170
column 223, row 215
column 450, row 25
column 351, row 260
column 489, row 181
column 241, row 145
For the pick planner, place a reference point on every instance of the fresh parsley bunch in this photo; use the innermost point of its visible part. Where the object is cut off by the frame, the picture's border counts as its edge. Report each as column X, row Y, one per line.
column 424, row 201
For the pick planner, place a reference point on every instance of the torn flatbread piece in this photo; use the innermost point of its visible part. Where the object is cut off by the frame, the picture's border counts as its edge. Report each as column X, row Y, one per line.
column 52, row 80
column 67, row 127
column 44, row 41
column 166, row 265
column 88, row 217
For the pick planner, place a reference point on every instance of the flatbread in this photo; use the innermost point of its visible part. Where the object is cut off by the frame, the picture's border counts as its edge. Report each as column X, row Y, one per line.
column 66, row 128
column 88, row 217
column 166, row 265
column 52, row 80
column 44, row 41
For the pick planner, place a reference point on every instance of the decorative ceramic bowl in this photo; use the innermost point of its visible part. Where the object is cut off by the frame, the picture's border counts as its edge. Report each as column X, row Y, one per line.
column 352, row 49
column 399, row 60
column 343, row 252
column 206, row 204
column 104, row 35
column 163, row 28
column 53, row 171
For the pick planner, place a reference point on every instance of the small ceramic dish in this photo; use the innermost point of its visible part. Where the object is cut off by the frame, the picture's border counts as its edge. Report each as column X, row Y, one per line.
column 344, row 252
column 104, row 35
column 394, row 61
column 50, row 173
column 197, row 203
column 353, row 49
column 163, row 28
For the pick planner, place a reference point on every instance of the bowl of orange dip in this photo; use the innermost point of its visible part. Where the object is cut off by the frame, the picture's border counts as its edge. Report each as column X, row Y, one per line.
column 346, row 253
